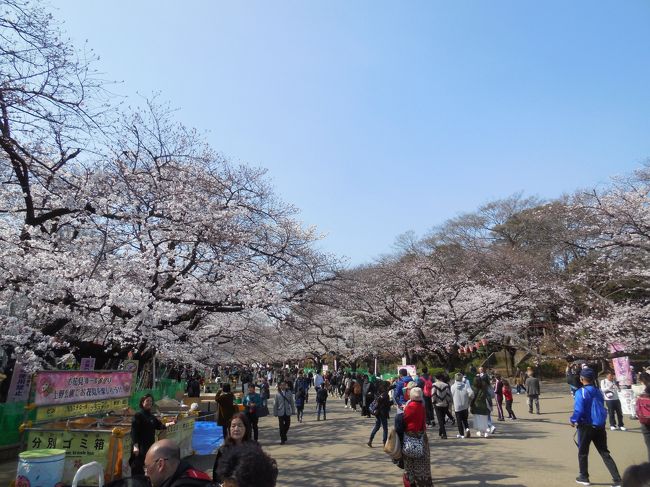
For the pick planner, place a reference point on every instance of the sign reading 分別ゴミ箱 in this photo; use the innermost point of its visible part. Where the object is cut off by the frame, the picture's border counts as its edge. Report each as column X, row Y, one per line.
column 72, row 386
column 82, row 447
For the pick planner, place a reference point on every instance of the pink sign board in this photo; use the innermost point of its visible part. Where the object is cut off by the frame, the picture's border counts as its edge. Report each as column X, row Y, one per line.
column 621, row 366
column 70, row 386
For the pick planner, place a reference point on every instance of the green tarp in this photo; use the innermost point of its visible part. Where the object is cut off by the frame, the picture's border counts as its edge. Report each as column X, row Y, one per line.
column 12, row 415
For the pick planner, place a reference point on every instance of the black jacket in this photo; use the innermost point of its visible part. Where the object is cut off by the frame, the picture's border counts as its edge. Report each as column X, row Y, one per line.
column 383, row 405
column 143, row 430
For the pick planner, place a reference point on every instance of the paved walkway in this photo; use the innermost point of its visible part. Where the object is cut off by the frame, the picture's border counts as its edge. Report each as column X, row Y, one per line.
column 535, row 451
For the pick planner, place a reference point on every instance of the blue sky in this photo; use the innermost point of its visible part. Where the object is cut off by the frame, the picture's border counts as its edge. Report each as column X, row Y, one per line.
column 375, row 117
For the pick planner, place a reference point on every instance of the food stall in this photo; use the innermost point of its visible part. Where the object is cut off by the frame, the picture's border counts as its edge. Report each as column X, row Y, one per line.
column 181, row 431
column 87, row 414
column 84, row 413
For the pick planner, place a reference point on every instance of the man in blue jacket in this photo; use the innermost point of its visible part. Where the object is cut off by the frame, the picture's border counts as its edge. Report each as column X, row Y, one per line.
column 589, row 416
column 403, row 381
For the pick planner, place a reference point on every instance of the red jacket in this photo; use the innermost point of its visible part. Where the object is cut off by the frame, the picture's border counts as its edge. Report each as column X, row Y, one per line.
column 428, row 384
column 507, row 393
column 414, row 416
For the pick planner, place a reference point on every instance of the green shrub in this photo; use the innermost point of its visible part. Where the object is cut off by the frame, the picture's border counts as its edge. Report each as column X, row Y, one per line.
column 437, row 370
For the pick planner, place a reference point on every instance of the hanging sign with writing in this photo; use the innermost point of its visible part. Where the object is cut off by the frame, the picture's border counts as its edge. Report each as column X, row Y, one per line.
column 71, row 386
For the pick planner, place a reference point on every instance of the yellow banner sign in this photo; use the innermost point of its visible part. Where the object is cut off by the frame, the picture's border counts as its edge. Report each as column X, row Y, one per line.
column 46, row 413
column 181, row 433
column 83, row 448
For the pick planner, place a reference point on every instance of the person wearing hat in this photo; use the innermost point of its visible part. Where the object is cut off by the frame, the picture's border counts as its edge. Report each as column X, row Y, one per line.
column 589, row 416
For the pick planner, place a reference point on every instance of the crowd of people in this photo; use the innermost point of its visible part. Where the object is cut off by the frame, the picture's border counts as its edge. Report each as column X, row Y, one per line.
column 419, row 405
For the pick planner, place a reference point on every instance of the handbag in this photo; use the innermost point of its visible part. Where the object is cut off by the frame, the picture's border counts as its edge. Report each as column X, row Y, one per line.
column 393, row 446
column 262, row 411
column 413, row 446
column 374, row 407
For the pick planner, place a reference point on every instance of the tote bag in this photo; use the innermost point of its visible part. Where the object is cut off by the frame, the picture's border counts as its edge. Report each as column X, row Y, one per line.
column 413, row 446
column 393, row 446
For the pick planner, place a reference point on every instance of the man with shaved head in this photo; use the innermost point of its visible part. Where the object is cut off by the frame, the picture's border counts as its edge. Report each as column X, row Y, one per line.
column 164, row 467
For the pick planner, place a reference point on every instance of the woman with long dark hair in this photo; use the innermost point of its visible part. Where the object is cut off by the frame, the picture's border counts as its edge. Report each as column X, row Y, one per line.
column 382, row 414
column 479, row 408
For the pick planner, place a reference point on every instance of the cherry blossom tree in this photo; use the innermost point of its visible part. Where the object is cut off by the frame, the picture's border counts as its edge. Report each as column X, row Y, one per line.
column 133, row 234
column 612, row 280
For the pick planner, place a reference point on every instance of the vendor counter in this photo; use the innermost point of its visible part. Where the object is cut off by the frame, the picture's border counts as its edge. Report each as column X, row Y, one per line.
column 106, row 440
column 84, row 442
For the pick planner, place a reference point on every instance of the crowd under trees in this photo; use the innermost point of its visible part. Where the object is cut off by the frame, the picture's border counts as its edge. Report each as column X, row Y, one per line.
column 122, row 231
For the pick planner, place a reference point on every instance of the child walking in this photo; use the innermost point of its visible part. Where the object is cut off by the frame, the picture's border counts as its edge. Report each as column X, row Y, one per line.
column 507, row 395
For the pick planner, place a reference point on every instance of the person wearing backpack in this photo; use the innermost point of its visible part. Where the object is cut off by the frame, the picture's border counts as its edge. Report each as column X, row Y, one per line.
column 402, row 383
column 643, row 409
column 589, row 417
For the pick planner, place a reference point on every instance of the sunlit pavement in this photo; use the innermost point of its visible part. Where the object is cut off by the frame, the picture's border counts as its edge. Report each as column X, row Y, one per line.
column 534, row 451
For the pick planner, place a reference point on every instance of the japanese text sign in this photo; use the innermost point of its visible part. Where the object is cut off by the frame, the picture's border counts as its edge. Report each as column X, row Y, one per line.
column 47, row 413
column 65, row 387
column 621, row 366
column 20, row 383
column 81, row 447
